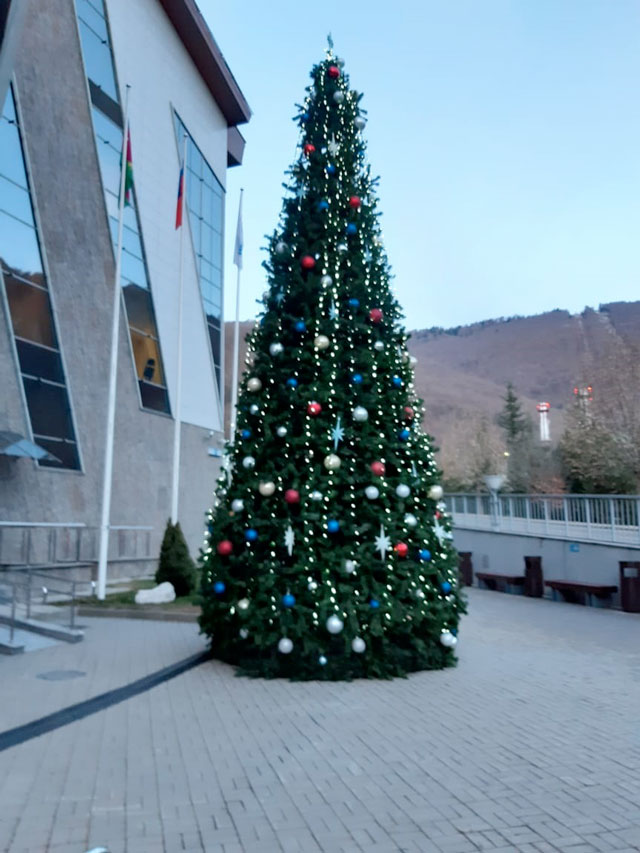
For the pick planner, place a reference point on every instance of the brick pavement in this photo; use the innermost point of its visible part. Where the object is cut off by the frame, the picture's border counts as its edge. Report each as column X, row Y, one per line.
column 532, row 744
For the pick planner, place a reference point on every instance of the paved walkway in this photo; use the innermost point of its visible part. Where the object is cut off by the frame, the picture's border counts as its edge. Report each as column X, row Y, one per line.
column 532, row 744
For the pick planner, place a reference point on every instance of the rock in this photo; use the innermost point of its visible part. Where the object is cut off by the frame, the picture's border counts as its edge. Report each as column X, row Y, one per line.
column 158, row 595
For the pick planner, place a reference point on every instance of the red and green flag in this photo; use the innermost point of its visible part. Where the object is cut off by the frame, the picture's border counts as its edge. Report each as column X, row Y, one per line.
column 128, row 175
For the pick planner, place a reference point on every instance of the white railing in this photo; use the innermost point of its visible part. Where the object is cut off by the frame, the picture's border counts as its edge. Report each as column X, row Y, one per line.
column 578, row 518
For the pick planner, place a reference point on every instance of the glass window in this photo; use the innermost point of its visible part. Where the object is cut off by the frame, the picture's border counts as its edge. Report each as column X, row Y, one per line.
column 134, row 276
column 29, row 302
column 30, row 311
column 205, row 203
column 96, row 48
column 48, row 408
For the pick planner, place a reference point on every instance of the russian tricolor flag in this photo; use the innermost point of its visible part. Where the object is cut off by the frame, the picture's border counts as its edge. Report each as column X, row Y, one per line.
column 180, row 198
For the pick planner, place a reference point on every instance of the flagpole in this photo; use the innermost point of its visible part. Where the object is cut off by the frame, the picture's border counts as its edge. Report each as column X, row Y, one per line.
column 107, row 482
column 236, row 334
column 175, row 485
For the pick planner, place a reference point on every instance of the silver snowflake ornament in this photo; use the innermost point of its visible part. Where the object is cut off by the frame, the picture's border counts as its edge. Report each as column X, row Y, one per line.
column 289, row 539
column 383, row 543
column 338, row 434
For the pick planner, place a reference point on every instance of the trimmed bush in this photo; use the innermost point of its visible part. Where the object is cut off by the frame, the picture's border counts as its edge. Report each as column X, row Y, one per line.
column 176, row 565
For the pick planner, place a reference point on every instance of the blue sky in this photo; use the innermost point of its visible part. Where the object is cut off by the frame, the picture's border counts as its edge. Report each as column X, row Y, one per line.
column 506, row 134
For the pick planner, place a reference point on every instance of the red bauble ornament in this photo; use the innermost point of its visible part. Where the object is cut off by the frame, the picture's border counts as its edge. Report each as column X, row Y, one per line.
column 307, row 262
column 292, row 496
column 333, row 72
column 314, row 408
column 409, row 413
column 438, row 515
column 378, row 468
column 224, row 548
column 309, row 148
column 375, row 315
column 355, row 202
column 401, row 549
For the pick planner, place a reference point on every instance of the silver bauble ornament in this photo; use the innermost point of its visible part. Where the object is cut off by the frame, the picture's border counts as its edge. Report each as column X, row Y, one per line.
column 281, row 248
column 360, row 414
column 332, row 462
column 338, row 97
column 312, row 586
column 413, row 360
column 372, row 492
column 237, row 505
column 254, row 384
column 349, row 566
column 281, row 431
column 248, row 462
column 321, row 342
column 340, row 62
column 378, row 346
column 410, row 520
column 285, row 646
column 322, row 660
column 334, row 624
column 436, row 492
column 254, row 408
column 342, row 247
column 419, row 593
column 276, row 348
column 315, row 495
column 326, row 281
column 244, row 633
column 358, row 645
column 243, row 604
column 360, row 122
column 448, row 640
column 266, row 488
column 403, row 491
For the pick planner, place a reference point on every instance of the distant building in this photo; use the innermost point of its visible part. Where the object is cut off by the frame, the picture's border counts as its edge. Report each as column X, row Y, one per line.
column 60, row 147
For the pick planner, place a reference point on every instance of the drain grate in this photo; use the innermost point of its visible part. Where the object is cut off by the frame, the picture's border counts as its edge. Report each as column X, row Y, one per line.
column 61, row 674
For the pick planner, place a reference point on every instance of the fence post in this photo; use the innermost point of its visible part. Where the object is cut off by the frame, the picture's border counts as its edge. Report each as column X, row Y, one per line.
column 13, row 613
column 527, row 507
column 587, row 510
column 565, row 510
column 29, row 593
column 73, row 604
column 545, row 504
column 613, row 519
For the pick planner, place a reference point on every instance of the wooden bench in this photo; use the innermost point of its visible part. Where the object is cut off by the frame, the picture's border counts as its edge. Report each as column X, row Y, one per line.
column 595, row 595
column 507, row 583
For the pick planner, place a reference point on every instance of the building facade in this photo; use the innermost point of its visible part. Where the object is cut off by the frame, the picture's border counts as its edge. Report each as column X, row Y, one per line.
column 77, row 67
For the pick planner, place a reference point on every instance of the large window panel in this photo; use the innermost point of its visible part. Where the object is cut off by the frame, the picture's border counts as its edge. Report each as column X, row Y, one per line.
column 106, row 114
column 96, row 47
column 30, row 311
column 205, row 204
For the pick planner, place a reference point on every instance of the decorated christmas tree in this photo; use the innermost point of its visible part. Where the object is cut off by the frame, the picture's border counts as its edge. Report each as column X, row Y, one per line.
column 328, row 551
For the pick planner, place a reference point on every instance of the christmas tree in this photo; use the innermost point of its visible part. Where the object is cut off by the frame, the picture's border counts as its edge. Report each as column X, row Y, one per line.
column 328, row 552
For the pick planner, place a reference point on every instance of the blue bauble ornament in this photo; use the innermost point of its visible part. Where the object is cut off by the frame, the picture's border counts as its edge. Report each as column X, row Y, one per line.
column 352, row 228
column 288, row 600
column 300, row 326
column 323, row 205
column 357, row 379
column 445, row 587
column 424, row 554
column 292, row 382
column 354, row 303
column 331, row 169
column 251, row 534
column 333, row 526
column 246, row 433
column 397, row 381
column 404, row 434
column 454, row 631
column 219, row 587
column 305, row 117
column 374, row 604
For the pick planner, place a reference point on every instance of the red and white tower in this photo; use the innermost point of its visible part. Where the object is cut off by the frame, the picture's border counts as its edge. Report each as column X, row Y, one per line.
column 543, row 411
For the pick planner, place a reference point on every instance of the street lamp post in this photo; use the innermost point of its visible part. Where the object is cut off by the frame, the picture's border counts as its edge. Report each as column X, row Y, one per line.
column 494, row 483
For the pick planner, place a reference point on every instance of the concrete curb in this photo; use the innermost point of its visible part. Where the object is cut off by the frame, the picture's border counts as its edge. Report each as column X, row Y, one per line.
column 134, row 613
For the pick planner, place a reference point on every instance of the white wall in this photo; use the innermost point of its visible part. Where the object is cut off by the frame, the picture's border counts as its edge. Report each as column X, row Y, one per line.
column 151, row 58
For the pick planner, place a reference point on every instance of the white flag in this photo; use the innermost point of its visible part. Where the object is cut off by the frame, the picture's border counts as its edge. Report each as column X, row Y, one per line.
column 237, row 252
